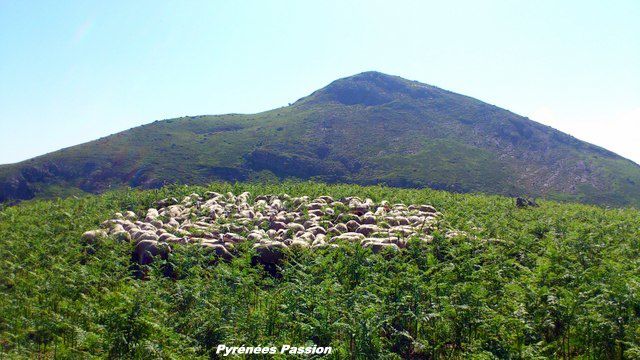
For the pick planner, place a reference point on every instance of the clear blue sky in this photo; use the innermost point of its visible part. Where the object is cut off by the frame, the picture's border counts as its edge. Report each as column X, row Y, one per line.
column 73, row 71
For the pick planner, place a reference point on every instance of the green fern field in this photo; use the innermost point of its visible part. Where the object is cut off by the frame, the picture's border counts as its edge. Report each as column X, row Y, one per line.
column 555, row 281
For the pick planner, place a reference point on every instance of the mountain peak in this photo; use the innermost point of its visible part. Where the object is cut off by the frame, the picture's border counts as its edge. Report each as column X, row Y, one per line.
column 371, row 88
column 366, row 128
column 373, row 76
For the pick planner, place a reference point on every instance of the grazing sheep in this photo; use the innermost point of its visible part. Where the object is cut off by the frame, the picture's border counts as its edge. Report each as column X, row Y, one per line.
column 377, row 247
column 145, row 250
column 270, row 253
column 232, row 237
column 272, row 223
column 315, row 206
column 152, row 214
column 91, row 237
column 122, row 236
column 349, row 236
column 130, row 215
column 296, row 243
column 295, row 227
column 218, row 249
column 366, row 230
column 315, row 230
column 352, row 225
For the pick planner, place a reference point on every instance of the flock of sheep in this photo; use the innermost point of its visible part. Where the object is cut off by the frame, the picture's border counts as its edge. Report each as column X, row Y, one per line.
column 272, row 223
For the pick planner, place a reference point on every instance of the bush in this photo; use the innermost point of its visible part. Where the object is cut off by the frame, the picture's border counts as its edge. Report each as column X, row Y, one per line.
column 559, row 280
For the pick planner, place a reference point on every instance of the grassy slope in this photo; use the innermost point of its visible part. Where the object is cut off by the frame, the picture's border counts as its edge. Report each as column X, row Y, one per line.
column 201, row 149
column 562, row 280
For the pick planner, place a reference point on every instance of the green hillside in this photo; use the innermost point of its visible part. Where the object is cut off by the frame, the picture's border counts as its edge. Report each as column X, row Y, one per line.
column 554, row 281
column 370, row 128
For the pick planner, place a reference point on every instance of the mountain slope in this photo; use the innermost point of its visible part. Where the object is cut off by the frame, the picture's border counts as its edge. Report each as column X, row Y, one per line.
column 368, row 128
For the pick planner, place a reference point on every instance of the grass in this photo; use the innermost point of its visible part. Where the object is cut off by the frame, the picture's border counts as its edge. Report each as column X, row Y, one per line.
column 557, row 281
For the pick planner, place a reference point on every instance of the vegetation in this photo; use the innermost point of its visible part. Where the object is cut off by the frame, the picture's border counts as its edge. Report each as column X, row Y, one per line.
column 555, row 281
column 366, row 129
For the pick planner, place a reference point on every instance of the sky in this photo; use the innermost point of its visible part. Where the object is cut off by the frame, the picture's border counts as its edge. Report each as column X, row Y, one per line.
column 74, row 71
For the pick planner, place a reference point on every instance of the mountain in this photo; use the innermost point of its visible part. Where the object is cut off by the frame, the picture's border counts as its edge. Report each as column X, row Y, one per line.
column 365, row 129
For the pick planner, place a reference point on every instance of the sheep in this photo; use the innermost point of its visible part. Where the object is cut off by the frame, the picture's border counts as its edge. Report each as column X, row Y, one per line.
column 271, row 223
column 146, row 250
column 377, row 247
column 152, row 214
column 91, row 237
